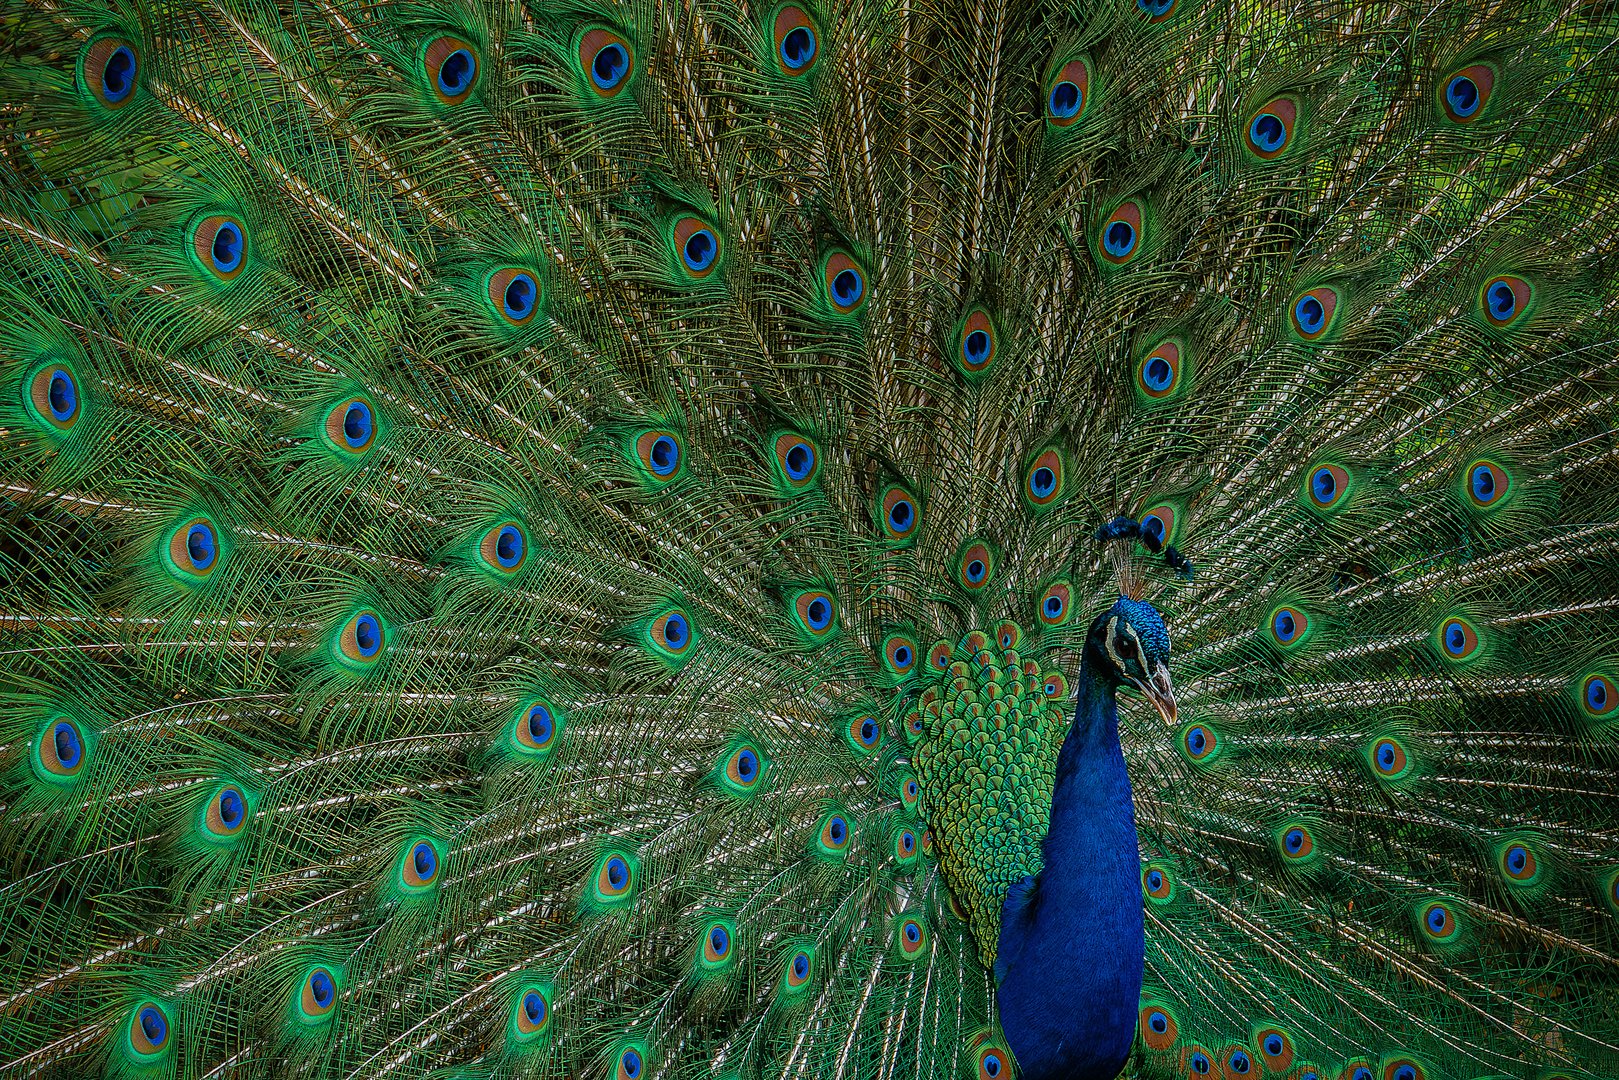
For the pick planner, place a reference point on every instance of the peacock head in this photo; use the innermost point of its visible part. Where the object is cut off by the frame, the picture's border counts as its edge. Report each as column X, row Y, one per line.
column 1128, row 643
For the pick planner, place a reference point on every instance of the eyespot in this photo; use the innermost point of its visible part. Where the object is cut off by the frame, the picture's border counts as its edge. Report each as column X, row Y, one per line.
column 1296, row 842
column 1159, row 374
column 834, row 835
column 318, row 995
column 1055, row 603
column 536, row 727
column 1465, row 93
column 351, row 426
column 796, row 42
column 1157, row 882
column 606, row 60
column 743, row 769
column 660, row 454
column 219, row 243
column 1118, row 241
column 109, row 69
column 994, row 1063
column 1312, row 312
column 1487, row 484
column 1056, row 686
column 451, row 67
column 1276, row 1047
column 899, row 515
column 1068, row 93
column 615, row 877
column 629, row 1064
column 1238, row 1063
column 865, row 733
column 1008, row 635
column 905, row 847
column 1457, row 638
column 915, row 728
column 420, row 865
column 671, row 633
column 1598, row 696
column 1158, row 1027
column 1043, row 479
column 975, row 567
column 698, row 246
column 799, row 966
column 504, row 548
column 1199, row 742
column 910, row 793
column 1505, row 299
column 1439, row 921
column 1402, row 1068
column 361, row 639
column 62, row 752
column 1197, row 1059
column 845, row 283
column 53, row 393
column 1358, row 1071
column 193, row 549
column 514, row 294
column 1270, row 132
column 1158, row 525
column 225, row 813
column 797, row 460
column 1327, row 485
column 1517, row 862
column 976, row 342
column 149, row 1029
column 1157, row 11
column 910, row 937
column 899, row 654
column 817, row 612
column 717, row 943
column 532, row 1014
column 1288, row 626
column 939, row 657
column 1388, row 758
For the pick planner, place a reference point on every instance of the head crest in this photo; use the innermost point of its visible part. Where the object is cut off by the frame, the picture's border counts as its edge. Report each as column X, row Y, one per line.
column 1119, row 537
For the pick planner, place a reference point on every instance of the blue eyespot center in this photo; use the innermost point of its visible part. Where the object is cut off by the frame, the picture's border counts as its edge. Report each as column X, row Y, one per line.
column 1197, row 740
column 1294, row 841
column 1596, row 693
column 1158, row 1022
column 1517, row 858
column 847, row 287
column 837, row 830
column 1157, row 373
column 618, row 872
column 1405, row 1072
column 1119, row 239
column 747, row 765
column 63, row 396
column 153, row 1026
column 1462, row 95
column 1239, row 1062
column 1155, row 8
column 1053, row 606
column 357, row 424
column 819, row 614
column 1273, row 1045
column 700, row 250
column 992, row 1066
column 675, row 631
column 1483, row 483
column 509, row 546
column 1386, row 755
column 1043, row 482
column 1455, row 639
column 118, row 74
column 200, row 546
column 1501, row 299
column 533, row 1007
column 231, row 809
column 902, row 656
column 367, row 635
column 664, row 455
column 975, row 347
column 1268, row 132
column 455, row 74
column 610, row 66
column 913, row 933
column 719, row 941
column 975, row 571
column 901, row 516
column 1312, row 316
column 321, row 989
column 519, row 297
column 798, row 48
column 1066, row 98
column 1286, row 626
column 424, row 860
column 1199, row 1062
column 906, row 842
column 1363, row 1073
column 801, row 965
column 1437, row 917
column 868, row 730
column 631, row 1064
column 1155, row 880
column 1324, row 485
column 65, row 738
column 227, row 247
column 800, row 461
column 540, row 724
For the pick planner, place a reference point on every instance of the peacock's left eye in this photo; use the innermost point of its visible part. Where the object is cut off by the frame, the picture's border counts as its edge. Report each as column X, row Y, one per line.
column 1125, row 647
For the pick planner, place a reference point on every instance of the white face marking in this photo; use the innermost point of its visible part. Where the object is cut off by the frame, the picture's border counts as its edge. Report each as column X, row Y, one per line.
column 1115, row 631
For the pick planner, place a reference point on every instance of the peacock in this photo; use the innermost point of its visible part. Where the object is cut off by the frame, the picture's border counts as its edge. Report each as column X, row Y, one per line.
column 826, row 539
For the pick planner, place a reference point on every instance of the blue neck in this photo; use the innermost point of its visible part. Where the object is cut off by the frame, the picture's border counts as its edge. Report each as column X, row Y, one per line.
column 1071, row 946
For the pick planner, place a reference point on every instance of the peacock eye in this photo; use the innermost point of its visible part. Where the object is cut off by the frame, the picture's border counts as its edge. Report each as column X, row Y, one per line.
column 1125, row 647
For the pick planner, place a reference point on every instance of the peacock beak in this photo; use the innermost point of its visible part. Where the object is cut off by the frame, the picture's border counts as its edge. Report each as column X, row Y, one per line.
column 1161, row 693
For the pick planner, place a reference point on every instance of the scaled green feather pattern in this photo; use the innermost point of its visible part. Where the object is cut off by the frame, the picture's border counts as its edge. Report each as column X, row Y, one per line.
column 484, row 486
